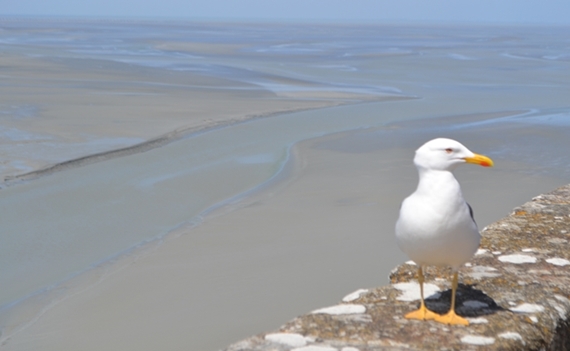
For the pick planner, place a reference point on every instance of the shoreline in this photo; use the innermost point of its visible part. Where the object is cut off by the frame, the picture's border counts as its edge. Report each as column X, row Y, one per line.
column 178, row 134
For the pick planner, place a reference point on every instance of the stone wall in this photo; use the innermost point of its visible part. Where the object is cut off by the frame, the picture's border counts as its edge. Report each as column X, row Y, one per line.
column 515, row 292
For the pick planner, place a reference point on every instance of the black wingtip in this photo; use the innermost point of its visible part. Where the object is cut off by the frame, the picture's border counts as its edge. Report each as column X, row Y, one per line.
column 471, row 213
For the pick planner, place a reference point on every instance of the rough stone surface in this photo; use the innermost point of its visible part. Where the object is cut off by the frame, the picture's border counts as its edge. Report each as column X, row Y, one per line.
column 520, row 305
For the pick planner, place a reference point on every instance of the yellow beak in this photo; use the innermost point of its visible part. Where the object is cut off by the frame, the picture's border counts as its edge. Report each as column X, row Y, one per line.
column 480, row 160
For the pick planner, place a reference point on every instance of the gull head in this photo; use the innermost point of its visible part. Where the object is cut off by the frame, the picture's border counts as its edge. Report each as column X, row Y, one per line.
column 443, row 154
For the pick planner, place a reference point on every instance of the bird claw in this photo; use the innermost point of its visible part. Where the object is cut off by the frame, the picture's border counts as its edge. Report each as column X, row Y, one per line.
column 423, row 314
column 451, row 318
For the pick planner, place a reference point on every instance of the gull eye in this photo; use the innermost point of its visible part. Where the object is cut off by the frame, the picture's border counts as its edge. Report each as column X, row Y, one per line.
column 449, row 150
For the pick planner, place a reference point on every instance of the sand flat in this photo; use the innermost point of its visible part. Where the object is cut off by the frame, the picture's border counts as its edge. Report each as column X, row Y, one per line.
column 69, row 108
column 320, row 229
column 291, row 248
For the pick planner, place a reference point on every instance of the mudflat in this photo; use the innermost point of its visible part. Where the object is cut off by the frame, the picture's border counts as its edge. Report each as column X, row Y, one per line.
column 169, row 222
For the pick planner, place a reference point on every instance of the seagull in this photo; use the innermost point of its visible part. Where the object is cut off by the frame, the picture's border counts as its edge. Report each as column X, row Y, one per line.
column 436, row 225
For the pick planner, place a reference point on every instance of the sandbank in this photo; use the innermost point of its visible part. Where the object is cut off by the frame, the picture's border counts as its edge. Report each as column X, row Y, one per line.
column 315, row 234
column 63, row 112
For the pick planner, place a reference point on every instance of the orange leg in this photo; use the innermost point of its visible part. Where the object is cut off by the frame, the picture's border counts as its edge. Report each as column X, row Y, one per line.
column 451, row 317
column 422, row 313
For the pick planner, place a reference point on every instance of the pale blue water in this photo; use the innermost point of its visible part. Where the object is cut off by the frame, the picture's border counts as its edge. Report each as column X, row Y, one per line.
column 61, row 225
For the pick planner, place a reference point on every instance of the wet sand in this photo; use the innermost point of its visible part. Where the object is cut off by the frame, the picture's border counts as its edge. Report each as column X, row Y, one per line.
column 320, row 229
column 323, row 229
column 65, row 112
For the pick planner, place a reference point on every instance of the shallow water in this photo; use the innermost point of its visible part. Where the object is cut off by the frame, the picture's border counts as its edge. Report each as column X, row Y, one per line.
column 60, row 225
